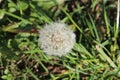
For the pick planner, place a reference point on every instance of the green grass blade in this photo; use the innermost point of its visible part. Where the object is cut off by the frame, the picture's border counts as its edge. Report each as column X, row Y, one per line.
column 101, row 51
column 17, row 17
column 72, row 20
column 94, row 27
column 117, row 23
column 106, row 19
column 81, row 48
column 32, row 74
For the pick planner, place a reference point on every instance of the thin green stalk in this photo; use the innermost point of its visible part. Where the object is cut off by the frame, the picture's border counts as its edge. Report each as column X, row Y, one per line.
column 36, row 57
column 39, row 13
column 115, row 45
column 15, row 16
column 81, row 48
column 72, row 20
column 100, row 50
column 31, row 73
column 1, row 62
column 117, row 20
column 106, row 19
column 95, row 30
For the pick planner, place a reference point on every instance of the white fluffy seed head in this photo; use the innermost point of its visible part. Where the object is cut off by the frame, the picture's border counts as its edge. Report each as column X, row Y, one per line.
column 56, row 39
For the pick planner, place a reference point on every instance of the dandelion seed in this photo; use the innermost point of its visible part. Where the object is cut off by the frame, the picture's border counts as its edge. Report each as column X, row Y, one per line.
column 56, row 39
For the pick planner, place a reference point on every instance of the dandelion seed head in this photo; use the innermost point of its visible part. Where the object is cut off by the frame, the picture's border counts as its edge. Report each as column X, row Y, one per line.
column 56, row 39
